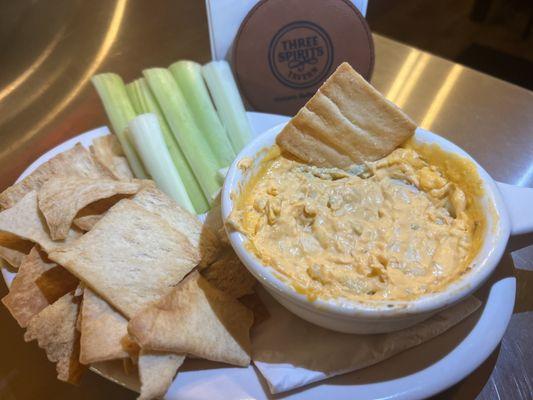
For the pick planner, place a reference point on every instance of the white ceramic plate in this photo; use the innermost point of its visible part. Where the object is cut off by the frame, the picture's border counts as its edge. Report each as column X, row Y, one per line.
column 415, row 374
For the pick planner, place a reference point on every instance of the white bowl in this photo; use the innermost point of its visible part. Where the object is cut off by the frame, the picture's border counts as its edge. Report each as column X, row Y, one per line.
column 354, row 317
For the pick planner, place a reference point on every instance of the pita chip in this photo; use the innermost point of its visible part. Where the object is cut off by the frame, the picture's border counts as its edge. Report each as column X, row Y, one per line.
column 74, row 162
column 346, row 122
column 131, row 257
column 102, row 330
column 156, row 372
column 13, row 249
column 201, row 237
column 229, row 275
column 26, row 221
column 60, row 199
column 54, row 328
column 196, row 318
column 108, row 152
column 38, row 283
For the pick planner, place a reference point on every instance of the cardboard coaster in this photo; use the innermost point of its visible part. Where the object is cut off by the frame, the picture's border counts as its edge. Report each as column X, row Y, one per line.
column 285, row 49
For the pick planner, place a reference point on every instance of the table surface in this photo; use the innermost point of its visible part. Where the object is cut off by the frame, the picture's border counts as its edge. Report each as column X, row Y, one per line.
column 50, row 49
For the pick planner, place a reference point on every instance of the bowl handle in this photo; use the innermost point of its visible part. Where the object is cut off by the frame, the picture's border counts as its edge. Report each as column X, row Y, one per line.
column 519, row 203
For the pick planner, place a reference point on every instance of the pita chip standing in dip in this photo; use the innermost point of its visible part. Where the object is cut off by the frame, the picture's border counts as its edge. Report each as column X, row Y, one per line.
column 346, row 206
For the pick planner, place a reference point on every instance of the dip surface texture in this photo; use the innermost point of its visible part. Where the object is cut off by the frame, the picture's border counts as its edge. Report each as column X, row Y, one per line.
column 394, row 229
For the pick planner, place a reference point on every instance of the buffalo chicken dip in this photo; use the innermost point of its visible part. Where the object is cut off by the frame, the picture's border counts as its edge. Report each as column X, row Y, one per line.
column 392, row 229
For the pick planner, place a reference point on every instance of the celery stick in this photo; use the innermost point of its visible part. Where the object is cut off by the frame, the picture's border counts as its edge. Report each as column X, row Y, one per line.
column 181, row 122
column 112, row 92
column 148, row 139
column 227, row 99
column 144, row 102
column 188, row 75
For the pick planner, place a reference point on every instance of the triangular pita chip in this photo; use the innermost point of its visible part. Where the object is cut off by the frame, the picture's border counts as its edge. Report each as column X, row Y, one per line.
column 74, row 162
column 102, row 330
column 230, row 275
column 38, row 283
column 154, row 200
column 26, row 221
column 196, row 318
column 156, row 372
column 60, row 199
column 131, row 257
column 55, row 330
column 108, row 152
column 346, row 122
column 13, row 249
